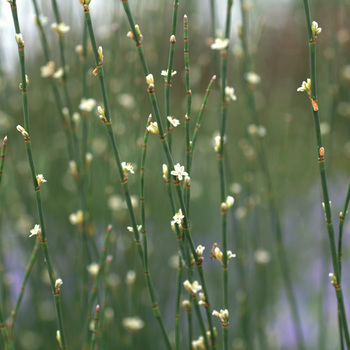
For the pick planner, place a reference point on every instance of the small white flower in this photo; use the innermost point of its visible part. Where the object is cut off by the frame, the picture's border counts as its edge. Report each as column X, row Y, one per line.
column 200, row 250
column 229, row 201
column 41, row 19
column 315, row 28
column 87, row 104
column 58, row 337
column 130, row 277
column 164, row 73
column 230, row 255
column 305, row 86
column 199, row 343
column 131, row 229
column 219, row 44
column 230, row 94
column 262, row 256
column 133, row 323
column 128, row 168
column 35, row 231
column 173, row 121
column 76, row 218
column 40, row 179
column 47, row 70
column 222, row 315
column 193, row 287
column 178, row 218
column 60, row 28
column 252, row 78
column 59, row 73
column 19, row 39
column 179, row 171
column 165, row 172
column 58, row 283
column 153, row 128
column 93, row 269
column 150, row 79
column 22, row 131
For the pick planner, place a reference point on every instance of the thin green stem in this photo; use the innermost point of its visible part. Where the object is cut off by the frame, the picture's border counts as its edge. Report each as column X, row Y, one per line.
column 321, row 163
column 2, row 157
column 94, row 332
column 170, row 69
column 188, row 108
column 14, row 311
column 185, row 224
column 178, row 303
column 122, row 172
column 199, row 119
column 94, row 289
column 36, row 185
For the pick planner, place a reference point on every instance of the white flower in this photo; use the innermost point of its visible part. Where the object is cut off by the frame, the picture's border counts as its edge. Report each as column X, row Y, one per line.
column 93, row 269
column 58, row 337
column 164, row 73
column 178, row 218
column 219, row 44
column 262, row 256
column 230, row 94
column 256, row 130
column 47, row 70
column 19, row 39
column 76, row 218
column 305, row 86
column 133, row 323
column 222, row 315
column 165, row 172
column 131, row 229
column 252, row 78
column 153, row 128
column 229, row 201
column 200, row 250
column 34, row 231
column 193, row 287
column 22, row 131
column 60, row 28
column 315, row 28
column 130, row 277
column 179, row 171
column 59, row 73
column 87, row 104
column 40, row 179
column 41, row 19
column 58, row 283
column 173, row 121
column 199, row 343
column 150, row 79
column 128, row 168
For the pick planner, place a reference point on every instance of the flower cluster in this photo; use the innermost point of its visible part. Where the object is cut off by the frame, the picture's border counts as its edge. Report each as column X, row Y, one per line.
column 177, row 218
column 193, row 287
column 222, row 315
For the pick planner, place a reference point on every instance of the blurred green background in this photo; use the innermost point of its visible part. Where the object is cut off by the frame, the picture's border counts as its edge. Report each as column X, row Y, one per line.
column 258, row 307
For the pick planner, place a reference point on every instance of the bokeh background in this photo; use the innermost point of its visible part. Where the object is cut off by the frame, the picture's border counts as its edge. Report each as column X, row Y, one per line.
column 258, row 306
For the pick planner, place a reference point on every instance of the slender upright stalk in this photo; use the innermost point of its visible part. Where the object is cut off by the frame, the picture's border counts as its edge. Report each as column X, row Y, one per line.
column 122, row 171
column 2, row 156
column 36, row 184
column 336, row 280
column 169, row 71
column 94, row 332
column 137, row 36
column 14, row 311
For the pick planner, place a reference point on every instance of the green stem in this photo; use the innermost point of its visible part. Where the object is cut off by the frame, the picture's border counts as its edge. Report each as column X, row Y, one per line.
column 94, row 289
column 170, row 66
column 43, row 239
column 322, row 169
column 94, row 332
column 2, row 157
column 14, row 311
column 123, row 175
